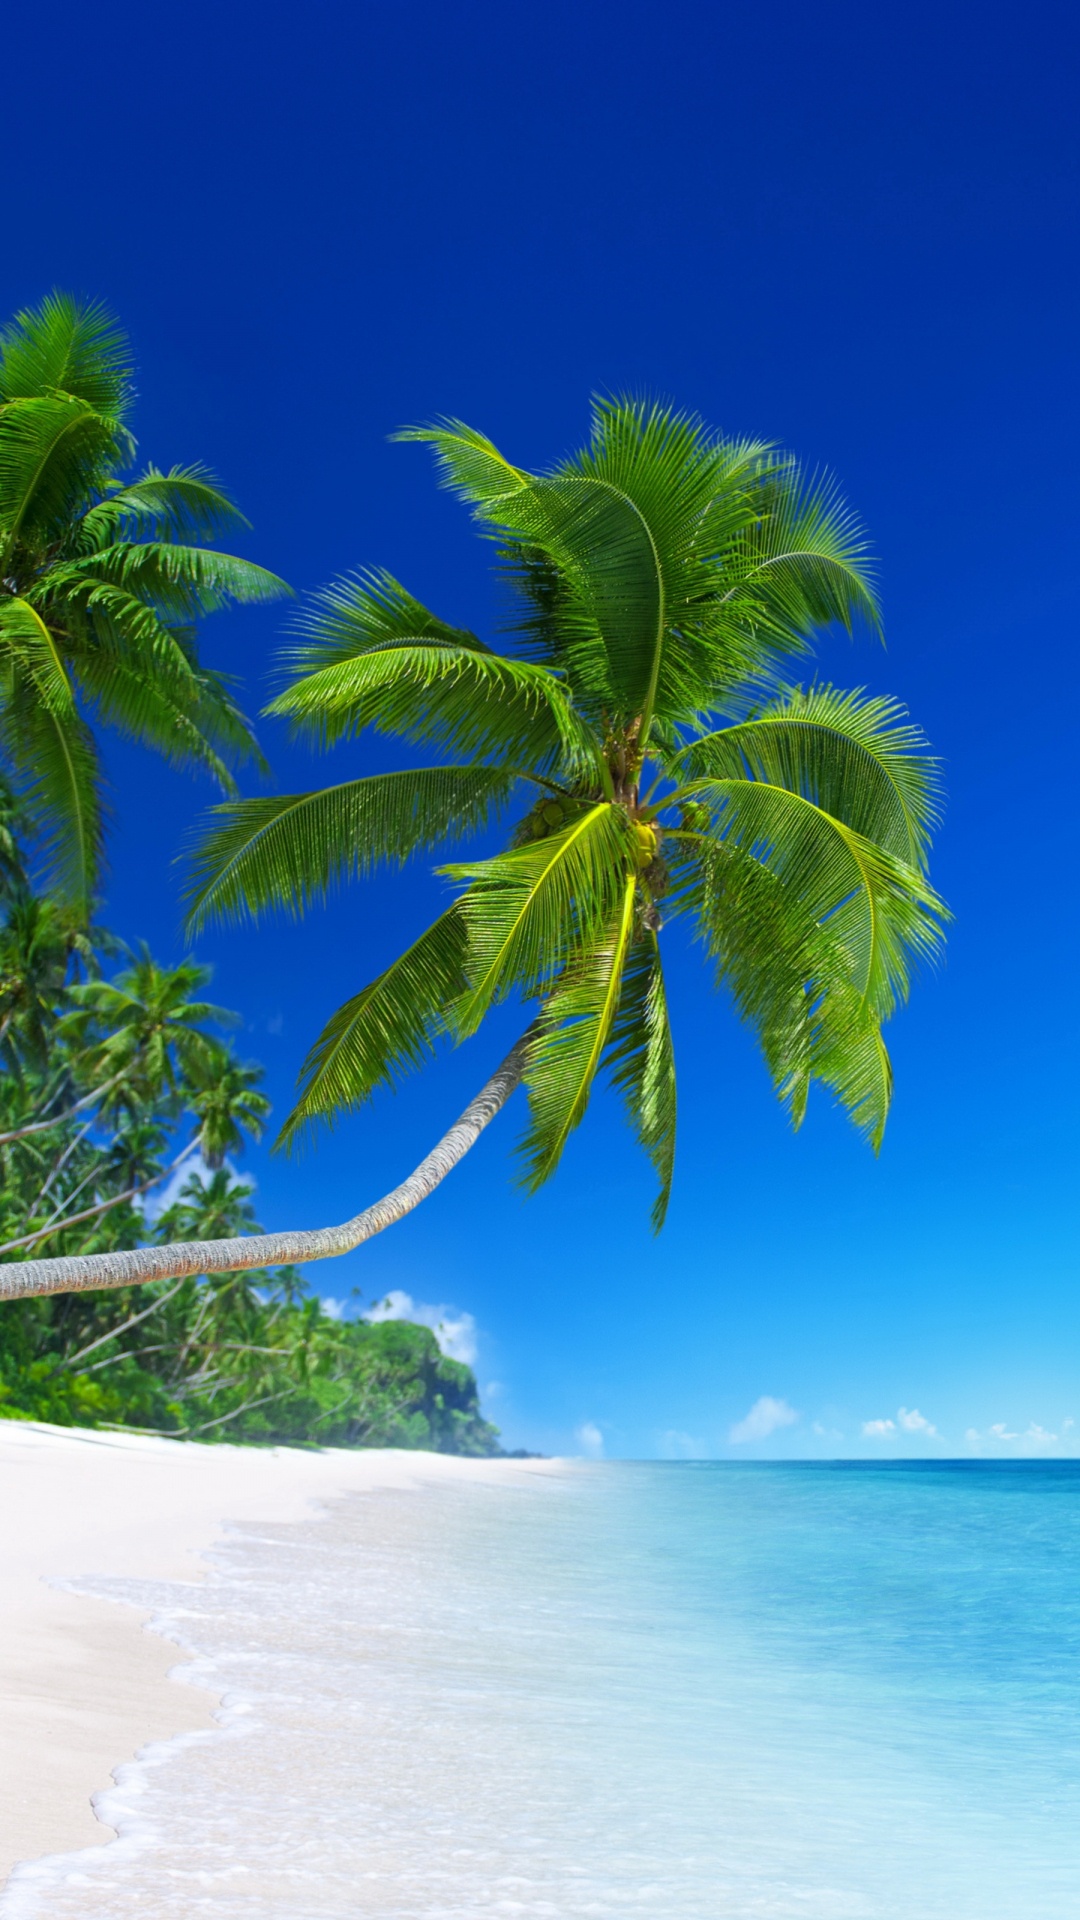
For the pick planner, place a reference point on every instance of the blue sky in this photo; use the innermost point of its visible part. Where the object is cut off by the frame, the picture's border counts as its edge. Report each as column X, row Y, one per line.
column 850, row 229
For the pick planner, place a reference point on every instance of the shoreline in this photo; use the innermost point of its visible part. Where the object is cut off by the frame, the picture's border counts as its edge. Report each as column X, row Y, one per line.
column 84, row 1686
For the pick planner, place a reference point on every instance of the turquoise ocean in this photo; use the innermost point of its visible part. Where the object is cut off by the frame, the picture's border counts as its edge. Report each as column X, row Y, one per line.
column 650, row 1692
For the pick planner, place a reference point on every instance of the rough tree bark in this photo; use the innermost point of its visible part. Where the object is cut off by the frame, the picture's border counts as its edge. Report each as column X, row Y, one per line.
column 85, row 1272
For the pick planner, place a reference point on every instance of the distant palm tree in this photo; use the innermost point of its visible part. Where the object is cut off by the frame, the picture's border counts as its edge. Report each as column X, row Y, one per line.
column 40, row 941
column 207, row 1209
column 223, row 1095
column 141, row 1034
column 102, row 582
column 662, row 767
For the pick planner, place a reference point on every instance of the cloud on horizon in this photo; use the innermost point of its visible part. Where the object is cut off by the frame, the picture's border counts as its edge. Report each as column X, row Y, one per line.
column 765, row 1417
column 590, row 1439
column 1033, row 1441
column 908, row 1420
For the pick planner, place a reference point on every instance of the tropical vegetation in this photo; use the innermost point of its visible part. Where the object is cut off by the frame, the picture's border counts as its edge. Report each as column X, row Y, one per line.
column 104, row 575
column 116, row 1092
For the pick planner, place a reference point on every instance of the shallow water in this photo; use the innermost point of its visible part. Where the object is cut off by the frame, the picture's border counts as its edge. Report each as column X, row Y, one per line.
column 686, row 1692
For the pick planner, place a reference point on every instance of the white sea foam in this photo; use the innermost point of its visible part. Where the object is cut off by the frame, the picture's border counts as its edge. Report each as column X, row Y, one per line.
column 667, row 1693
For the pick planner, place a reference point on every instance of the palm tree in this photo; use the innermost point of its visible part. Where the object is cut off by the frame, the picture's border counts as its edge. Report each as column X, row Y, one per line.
column 657, row 764
column 224, row 1096
column 142, row 1033
column 102, row 583
column 40, row 941
column 140, row 1040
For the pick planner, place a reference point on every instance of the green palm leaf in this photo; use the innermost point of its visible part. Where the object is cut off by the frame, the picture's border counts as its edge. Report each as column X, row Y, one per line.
column 51, row 452
column 290, row 849
column 880, row 909
column 53, row 753
column 566, row 1050
column 790, row 976
column 642, row 1062
column 102, row 584
column 385, row 1030
column 184, row 504
column 530, row 911
column 66, row 346
column 179, row 723
column 852, row 756
column 458, row 700
column 182, row 583
column 804, row 563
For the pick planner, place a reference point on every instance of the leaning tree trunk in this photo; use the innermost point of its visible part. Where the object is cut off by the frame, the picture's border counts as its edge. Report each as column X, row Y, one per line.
column 83, row 1272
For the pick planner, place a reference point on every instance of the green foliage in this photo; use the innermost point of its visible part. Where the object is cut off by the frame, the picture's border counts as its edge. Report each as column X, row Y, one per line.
column 227, row 1361
column 660, row 765
column 102, row 585
column 109, row 1084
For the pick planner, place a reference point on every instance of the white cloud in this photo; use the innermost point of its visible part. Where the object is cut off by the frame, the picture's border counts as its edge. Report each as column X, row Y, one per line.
column 333, row 1309
column 908, row 1420
column 590, row 1439
column 915, row 1422
column 1028, row 1443
column 455, row 1332
column 764, row 1417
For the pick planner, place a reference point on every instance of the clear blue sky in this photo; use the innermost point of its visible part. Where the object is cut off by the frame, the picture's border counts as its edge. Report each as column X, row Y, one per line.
column 850, row 228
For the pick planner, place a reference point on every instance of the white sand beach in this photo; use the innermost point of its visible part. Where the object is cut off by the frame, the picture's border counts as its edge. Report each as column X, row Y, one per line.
column 82, row 1685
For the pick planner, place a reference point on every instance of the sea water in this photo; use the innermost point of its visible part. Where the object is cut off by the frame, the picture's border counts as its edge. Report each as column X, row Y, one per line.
column 658, row 1692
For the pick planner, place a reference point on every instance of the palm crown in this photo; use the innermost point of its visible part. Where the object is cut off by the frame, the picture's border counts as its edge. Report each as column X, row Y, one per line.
column 654, row 762
column 102, row 582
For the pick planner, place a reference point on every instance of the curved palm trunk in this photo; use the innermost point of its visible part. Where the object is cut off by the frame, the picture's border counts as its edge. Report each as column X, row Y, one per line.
column 84, row 1272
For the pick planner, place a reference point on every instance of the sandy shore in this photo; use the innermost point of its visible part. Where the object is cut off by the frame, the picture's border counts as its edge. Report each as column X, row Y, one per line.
column 82, row 1686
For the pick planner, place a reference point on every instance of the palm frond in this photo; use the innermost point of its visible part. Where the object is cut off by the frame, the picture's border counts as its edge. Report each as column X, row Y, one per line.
column 469, row 464
column 52, row 753
column 458, row 700
column 181, row 582
column 642, row 1061
column 66, row 346
column 857, row 758
column 565, row 1052
column 180, row 723
column 385, row 1030
column 290, row 849
column 790, row 975
column 366, row 612
column 879, row 908
column 52, row 453
column 184, row 504
column 804, row 564
column 531, row 911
